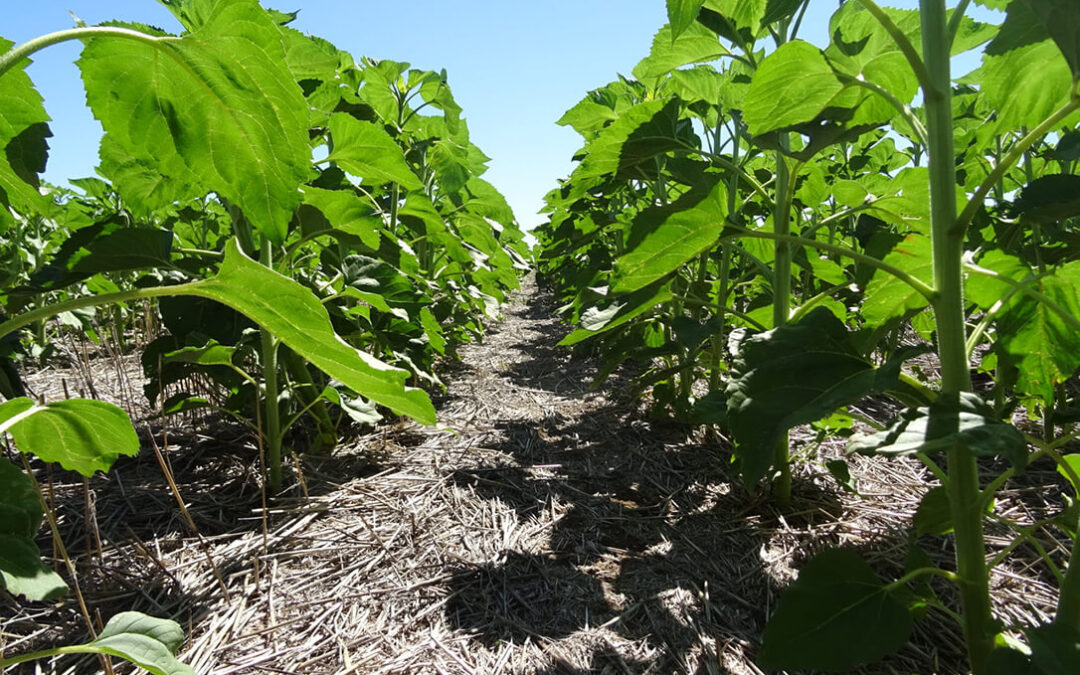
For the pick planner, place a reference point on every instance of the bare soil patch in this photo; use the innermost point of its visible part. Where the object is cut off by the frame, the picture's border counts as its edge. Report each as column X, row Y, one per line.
column 542, row 528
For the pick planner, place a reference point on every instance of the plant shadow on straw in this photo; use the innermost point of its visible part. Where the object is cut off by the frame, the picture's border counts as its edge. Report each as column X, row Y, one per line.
column 649, row 539
column 656, row 554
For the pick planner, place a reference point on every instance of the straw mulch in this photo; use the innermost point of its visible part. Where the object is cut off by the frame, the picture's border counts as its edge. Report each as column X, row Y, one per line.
column 543, row 528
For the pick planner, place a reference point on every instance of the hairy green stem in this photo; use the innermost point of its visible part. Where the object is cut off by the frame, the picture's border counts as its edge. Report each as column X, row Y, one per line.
column 20, row 52
column 269, row 346
column 963, row 486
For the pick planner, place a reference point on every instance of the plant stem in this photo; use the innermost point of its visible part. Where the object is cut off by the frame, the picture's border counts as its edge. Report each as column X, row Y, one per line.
column 20, row 52
column 782, row 283
column 1068, row 609
column 963, row 486
column 269, row 347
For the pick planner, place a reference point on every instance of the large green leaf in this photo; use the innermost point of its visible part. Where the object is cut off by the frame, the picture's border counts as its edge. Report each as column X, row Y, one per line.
column 669, row 236
column 217, row 108
column 1043, row 345
column 1030, row 21
column 21, row 569
column 23, row 131
column 80, row 435
column 292, row 313
column 887, row 296
column 694, row 44
column 644, row 131
column 1029, row 67
column 792, row 85
column 765, row 399
column 963, row 419
column 682, row 14
column 837, row 615
column 364, row 149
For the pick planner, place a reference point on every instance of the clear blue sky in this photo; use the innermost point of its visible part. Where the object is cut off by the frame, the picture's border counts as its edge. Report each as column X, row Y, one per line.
column 514, row 65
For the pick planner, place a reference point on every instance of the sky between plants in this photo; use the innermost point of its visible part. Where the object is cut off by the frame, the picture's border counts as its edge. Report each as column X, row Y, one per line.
column 514, row 66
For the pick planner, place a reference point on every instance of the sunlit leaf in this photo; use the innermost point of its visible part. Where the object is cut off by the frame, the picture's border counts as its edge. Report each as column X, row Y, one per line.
column 217, row 108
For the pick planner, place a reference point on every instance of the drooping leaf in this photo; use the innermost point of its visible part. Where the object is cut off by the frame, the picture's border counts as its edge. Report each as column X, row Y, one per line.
column 619, row 313
column 80, row 435
column 293, row 314
column 21, row 569
column 217, row 108
column 23, row 130
column 837, row 615
column 365, row 149
column 765, row 400
column 669, row 236
column 962, row 418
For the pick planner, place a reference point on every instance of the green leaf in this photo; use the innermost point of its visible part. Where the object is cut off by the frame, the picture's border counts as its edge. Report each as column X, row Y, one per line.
column 764, row 400
column 1055, row 649
column 839, row 470
column 217, row 108
column 641, row 133
column 671, row 49
column 358, row 409
column 21, row 569
column 364, row 149
column 744, row 14
column 887, row 297
column 792, row 85
column 682, row 14
column 616, row 314
column 669, row 236
column 81, row 435
column 23, row 130
column 1043, row 346
column 861, row 48
column 1073, row 461
column 145, row 641
column 290, row 311
column 1048, row 199
column 1030, row 21
column 347, row 212
column 962, row 418
column 433, row 331
column 777, row 10
column 837, row 615
column 1024, row 81
column 934, row 515
column 212, row 354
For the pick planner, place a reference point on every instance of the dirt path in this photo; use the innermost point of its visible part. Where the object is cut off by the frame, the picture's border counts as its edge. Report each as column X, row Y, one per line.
column 546, row 528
